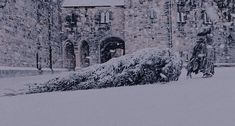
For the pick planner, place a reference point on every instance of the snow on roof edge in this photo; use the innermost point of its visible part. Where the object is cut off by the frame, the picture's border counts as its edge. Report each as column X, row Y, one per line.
column 92, row 3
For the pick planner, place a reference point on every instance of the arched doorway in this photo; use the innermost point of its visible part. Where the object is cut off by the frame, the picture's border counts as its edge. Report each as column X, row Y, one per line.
column 85, row 54
column 70, row 60
column 111, row 48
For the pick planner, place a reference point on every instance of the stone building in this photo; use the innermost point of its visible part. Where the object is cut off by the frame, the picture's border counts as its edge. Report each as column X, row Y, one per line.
column 194, row 15
column 30, row 33
column 42, row 34
column 101, row 30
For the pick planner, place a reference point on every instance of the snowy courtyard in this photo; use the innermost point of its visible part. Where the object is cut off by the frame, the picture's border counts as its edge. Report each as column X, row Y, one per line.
column 117, row 62
column 187, row 102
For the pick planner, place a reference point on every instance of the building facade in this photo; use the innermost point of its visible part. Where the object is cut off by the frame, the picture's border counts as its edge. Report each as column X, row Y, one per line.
column 194, row 15
column 108, row 29
column 101, row 30
column 43, row 34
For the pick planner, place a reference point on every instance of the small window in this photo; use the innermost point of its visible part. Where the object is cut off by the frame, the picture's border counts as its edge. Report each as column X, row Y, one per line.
column 3, row 3
column 193, row 3
column 180, row 2
column 141, row 1
column 102, row 17
column 105, row 17
column 152, row 13
column 181, row 17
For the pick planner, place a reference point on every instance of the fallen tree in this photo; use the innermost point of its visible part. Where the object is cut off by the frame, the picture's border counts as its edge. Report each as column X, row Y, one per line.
column 146, row 66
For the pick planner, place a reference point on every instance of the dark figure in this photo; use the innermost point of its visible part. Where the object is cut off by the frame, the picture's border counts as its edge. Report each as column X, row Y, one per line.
column 209, row 59
column 202, row 56
column 195, row 64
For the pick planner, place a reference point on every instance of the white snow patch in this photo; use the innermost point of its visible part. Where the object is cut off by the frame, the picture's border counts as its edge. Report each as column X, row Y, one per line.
column 18, row 84
column 92, row 3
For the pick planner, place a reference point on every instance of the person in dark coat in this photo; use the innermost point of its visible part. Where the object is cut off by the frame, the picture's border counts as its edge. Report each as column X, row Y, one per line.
column 201, row 60
column 195, row 64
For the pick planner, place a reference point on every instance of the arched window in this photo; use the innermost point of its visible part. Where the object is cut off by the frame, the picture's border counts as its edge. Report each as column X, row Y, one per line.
column 152, row 13
column 102, row 17
column 105, row 17
column 69, row 59
column 85, row 54
column 112, row 47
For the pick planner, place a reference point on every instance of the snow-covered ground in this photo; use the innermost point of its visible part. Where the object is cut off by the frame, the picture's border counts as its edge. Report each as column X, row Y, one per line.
column 11, row 85
column 192, row 102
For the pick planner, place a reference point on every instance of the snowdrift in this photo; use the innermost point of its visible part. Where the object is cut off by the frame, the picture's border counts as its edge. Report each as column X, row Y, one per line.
column 146, row 66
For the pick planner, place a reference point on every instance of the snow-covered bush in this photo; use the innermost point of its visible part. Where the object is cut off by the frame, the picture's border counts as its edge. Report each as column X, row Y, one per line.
column 143, row 67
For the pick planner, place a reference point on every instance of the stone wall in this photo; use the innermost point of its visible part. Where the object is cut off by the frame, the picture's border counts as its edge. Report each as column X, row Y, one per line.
column 185, row 33
column 26, row 38
column 154, row 23
column 89, row 29
column 140, row 24
column 24, row 33
column 146, row 24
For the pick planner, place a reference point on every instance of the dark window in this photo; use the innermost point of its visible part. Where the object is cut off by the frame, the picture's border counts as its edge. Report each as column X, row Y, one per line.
column 3, row 3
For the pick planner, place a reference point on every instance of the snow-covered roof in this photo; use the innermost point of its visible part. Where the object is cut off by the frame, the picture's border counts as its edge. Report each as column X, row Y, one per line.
column 92, row 3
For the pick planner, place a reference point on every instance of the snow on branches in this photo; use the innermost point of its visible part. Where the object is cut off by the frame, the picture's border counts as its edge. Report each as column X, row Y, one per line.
column 146, row 66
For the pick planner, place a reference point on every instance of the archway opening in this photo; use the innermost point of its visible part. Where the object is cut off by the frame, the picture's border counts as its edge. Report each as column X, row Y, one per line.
column 85, row 54
column 70, row 60
column 111, row 48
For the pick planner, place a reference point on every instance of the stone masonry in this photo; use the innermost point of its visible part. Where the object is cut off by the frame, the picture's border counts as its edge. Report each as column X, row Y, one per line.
column 148, row 23
column 25, row 35
column 136, row 24
column 194, row 15
column 41, row 33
